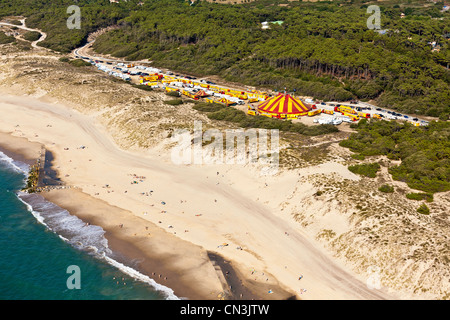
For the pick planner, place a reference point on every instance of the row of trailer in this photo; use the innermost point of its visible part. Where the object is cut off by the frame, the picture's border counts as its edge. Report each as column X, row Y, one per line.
column 355, row 115
column 190, row 88
column 228, row 96
column 155, row 78
column 112, row 72
column 350, row 112
column 123, row 70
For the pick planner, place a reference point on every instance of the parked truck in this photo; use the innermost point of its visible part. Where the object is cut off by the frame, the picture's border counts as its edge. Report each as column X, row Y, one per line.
column 314, row 112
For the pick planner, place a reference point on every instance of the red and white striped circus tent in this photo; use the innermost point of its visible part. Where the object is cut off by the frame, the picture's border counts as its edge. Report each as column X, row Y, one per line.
column 284, row 104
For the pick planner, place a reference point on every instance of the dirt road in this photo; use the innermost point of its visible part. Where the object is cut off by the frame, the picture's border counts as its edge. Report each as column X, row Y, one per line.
column 34, row 44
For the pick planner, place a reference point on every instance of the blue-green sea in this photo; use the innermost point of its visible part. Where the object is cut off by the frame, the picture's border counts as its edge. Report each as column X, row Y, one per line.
column 40, row 243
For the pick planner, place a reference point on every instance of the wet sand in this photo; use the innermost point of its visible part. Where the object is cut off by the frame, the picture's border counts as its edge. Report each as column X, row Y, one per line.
column 19, row 149
column 170, row 261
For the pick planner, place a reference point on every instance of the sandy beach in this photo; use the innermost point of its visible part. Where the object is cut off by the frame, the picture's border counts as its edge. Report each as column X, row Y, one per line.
column 189, row 270
column 195, row 209
column 169, row 260
column 141, row 245
column 19, row 149
column 314, row 230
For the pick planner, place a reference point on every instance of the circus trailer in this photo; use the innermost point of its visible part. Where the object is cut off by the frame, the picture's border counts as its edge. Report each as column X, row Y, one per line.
column 346, row 109
column 265, row 114
column 364, row 115
column 209, row 100
column 352, row 116
column 201, row 94
column 169, row 89
column 226, row 102
column 188, row 94
column 314, row 112
column 152, row 78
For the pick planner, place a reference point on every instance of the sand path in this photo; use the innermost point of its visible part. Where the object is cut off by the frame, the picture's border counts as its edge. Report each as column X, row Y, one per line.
column 34, row 44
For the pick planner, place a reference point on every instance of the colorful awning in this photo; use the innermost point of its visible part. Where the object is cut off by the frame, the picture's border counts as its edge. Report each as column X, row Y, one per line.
column 201, row 93
column 284, row 104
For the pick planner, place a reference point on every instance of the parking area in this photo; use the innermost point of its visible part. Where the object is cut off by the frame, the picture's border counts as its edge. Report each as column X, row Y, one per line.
column 134, row 74
column 373, row 111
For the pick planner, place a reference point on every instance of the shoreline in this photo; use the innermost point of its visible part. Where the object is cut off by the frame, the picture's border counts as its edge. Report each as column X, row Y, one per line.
column 195, row 204
column 131, row 249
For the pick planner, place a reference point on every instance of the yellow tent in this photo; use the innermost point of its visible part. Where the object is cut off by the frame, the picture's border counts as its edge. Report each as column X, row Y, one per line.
column 226, row 101
column 284, row 104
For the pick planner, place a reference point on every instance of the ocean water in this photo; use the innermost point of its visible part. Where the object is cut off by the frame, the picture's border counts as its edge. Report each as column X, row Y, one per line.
column 39, row 242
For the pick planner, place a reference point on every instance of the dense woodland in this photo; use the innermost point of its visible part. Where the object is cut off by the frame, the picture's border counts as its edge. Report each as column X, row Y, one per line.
column 424, row 151
column 321, row 49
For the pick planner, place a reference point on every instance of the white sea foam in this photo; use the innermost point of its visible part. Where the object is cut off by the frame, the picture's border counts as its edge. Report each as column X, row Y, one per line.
column 170, row 295
column 35, row 214
column 85, row 237
column 13, row 164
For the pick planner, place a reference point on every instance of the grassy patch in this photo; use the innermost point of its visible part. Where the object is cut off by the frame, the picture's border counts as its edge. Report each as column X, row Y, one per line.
column 4, row 39
column 386, row 188
column 32, row 36
column 420, row 196
column 423, row 209
column 79, row 63
column 219, row 112
column 208, row 107
column 318, row 193
column 174, row 102
column 326, row 234
column 16, row 22
column 424, row 151
column 358, row 156
column 173, row 94
column 141, row 86
column 366, row 169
